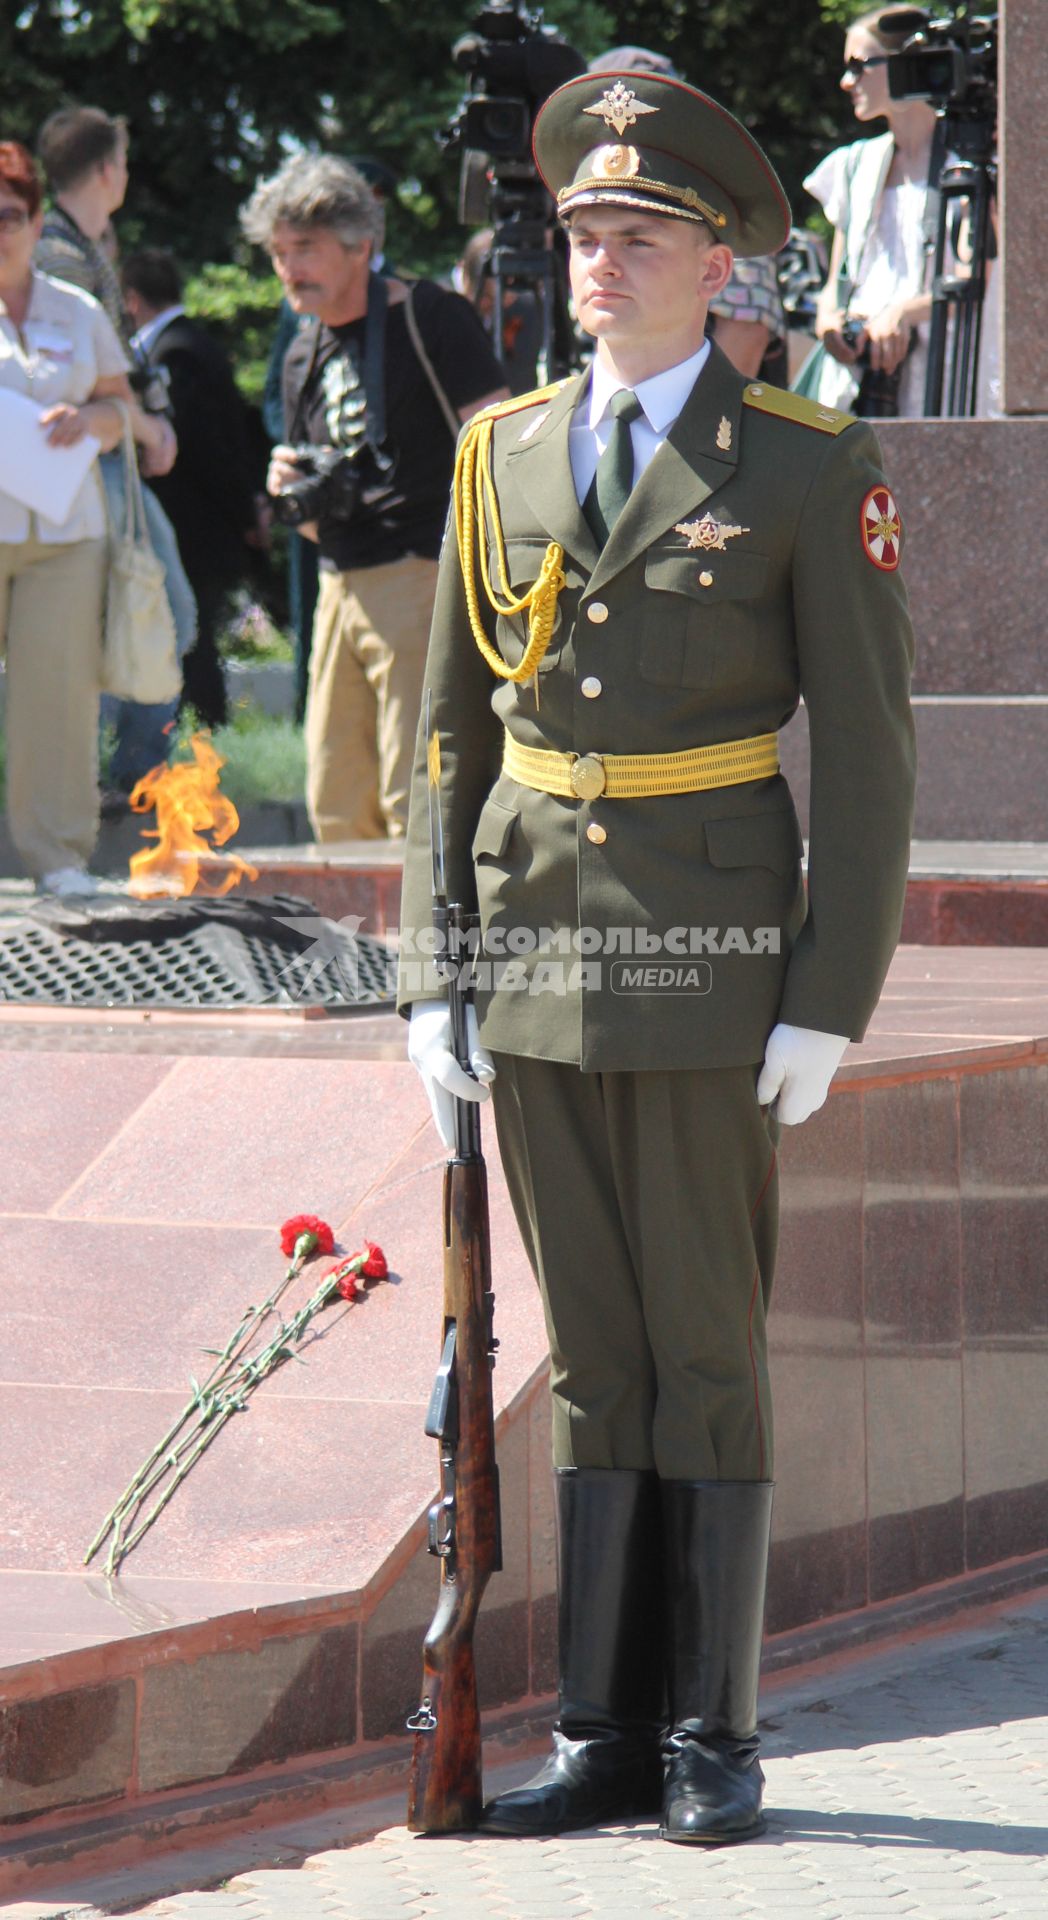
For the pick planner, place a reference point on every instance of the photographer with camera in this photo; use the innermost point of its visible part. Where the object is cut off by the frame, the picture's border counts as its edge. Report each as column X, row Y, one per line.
column 375, row 387
column 872, row 317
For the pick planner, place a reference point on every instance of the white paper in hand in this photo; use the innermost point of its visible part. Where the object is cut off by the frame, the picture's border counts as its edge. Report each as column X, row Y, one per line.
column 41, row 476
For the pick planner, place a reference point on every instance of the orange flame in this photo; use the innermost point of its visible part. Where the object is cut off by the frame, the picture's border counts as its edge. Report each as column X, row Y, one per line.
column 188, row 805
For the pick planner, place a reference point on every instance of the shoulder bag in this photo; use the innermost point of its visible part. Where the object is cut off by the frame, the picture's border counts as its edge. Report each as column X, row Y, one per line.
column 139, row 654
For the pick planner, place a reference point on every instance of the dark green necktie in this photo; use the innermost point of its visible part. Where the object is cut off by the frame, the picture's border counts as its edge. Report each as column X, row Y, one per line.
column 613, row 480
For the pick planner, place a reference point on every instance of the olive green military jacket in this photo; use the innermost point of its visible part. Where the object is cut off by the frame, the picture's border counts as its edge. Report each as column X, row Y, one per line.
column 672, row 930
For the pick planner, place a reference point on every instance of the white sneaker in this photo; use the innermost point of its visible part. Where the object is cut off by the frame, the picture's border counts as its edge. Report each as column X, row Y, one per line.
column 69, row 883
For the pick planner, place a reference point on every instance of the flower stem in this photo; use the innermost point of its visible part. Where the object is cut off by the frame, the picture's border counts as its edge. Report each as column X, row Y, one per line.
column 134, row 1492
column 179, row 1451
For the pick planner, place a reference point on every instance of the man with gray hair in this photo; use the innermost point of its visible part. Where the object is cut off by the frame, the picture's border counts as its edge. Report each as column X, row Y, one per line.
column 375, row 386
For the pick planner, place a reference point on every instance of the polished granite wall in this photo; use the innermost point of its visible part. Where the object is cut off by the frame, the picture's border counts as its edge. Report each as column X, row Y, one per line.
column 277, row 1617
column 1024, row 91
column 910, row 1340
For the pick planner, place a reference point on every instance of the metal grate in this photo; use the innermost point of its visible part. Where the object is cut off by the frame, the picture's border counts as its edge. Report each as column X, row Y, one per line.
column 256, row 953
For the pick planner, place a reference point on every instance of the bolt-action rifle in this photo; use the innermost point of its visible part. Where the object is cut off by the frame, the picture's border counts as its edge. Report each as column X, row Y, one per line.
column 444, row 1794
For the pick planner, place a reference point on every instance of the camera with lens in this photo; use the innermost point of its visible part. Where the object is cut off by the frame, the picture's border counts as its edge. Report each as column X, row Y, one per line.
column 327, row 487
column 951, row 63
column 878, row 395
column 514, row 63
column 150, row 385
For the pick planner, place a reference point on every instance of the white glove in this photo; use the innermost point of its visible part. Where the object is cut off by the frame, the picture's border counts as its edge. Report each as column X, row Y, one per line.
column 430, row 1052
column 799, row 1063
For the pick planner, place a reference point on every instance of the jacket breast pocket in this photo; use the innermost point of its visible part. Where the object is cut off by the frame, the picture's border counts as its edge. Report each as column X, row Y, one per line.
column 524, row 559
column 701, row 618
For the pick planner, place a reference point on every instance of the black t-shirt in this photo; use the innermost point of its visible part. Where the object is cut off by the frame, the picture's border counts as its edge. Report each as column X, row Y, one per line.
column 402, row 509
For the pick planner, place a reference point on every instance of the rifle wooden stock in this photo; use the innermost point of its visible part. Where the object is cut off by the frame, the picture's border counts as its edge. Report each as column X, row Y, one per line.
column 445, row 1792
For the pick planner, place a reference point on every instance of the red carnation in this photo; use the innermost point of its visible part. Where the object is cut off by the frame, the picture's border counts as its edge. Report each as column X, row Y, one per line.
column 347, row 1280
column 344, row 1277
column 374, row 1267
column 305, row 1226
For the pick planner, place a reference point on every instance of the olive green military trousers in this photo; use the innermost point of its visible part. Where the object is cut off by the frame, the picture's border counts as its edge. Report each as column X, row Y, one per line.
column 648, row 1205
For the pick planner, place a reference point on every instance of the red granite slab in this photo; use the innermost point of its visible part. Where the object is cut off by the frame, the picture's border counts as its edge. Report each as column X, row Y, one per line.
column 155, row 1225
column 251, row 1146
column 62, row 1112
column 108, row 1304
column 316, row 1492
column 48, row 1613
column 136, row 1307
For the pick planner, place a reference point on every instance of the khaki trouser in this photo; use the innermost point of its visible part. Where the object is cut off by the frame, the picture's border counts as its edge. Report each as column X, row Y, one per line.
column 365, row 687
column 648, row 1204
column 51, row 626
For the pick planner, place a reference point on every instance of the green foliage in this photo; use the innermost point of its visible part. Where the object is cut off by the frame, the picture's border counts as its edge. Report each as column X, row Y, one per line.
column 265, row 757
column 841, row 13
column 777, row 67
column 240, row 307
column 217, row 92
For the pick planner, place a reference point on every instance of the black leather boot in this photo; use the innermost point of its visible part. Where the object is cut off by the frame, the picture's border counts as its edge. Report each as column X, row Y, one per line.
column 717, row 1534
column 606, row 1762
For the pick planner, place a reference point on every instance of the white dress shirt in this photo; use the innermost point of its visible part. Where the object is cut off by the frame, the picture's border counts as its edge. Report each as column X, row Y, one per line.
column 662, row 398
column 66, row 343
column 144, row 338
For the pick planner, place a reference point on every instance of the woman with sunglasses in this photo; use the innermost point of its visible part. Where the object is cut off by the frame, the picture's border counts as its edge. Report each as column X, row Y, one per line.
column 59, row 350
column 875, row 193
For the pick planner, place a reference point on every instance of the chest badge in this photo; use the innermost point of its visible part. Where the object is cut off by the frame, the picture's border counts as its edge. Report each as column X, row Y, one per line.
column 724, row 434
column 709, row 535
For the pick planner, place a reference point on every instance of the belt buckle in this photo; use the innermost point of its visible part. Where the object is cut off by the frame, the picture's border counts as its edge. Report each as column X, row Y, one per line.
column 587, row 777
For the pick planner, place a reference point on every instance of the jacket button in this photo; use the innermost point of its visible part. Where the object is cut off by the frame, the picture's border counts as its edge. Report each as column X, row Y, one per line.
column 596, row 833
column 705, row 579
column 597, row 612
column 591, row 688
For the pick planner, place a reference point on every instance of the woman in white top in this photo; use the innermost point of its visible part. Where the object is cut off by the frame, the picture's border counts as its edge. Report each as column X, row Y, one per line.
column 874, row 193
column 58, row 348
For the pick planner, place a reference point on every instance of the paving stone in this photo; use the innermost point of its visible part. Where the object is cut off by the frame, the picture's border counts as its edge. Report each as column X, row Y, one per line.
column 922, row 1793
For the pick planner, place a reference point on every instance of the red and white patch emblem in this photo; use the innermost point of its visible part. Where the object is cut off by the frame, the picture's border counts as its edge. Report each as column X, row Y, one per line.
column 881, row 529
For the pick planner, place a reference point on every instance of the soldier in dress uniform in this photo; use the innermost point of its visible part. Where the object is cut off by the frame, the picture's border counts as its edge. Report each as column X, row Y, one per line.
column 647, row 566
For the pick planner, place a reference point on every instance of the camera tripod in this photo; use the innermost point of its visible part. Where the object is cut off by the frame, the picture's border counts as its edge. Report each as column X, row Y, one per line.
column 965, row 194
column 526, row 252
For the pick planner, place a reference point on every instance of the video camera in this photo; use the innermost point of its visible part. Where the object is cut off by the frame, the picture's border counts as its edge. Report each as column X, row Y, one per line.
column 514, row 63
column 951, row 63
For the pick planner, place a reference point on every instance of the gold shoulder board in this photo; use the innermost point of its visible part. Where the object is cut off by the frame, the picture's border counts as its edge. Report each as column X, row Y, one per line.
column 794, row 406
column 517, row 402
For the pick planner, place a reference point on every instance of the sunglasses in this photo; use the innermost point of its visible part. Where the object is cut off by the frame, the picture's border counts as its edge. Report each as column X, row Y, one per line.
column 13, row 219
column 856, row 65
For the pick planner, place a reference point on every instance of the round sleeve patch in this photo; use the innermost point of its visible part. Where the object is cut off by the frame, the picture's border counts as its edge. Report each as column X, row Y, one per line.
column 881, row 529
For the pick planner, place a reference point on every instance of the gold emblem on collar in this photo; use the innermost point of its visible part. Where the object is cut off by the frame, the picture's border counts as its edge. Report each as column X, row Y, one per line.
column 615, row 163
column 619, row 107
column 724, row 434
column 708, row 534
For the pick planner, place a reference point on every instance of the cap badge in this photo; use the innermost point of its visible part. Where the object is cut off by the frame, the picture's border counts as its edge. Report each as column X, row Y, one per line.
column 615, row 163
column 724, row 434
column 620, row 108
column 709, row 534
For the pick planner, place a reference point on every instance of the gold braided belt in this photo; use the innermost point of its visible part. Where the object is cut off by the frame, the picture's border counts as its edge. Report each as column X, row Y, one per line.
column 633, row 776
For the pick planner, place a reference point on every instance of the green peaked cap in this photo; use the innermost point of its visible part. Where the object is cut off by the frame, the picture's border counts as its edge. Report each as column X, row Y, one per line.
column 639, row 140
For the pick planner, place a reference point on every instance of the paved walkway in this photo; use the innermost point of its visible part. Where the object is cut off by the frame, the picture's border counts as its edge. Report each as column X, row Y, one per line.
column 910, row 1781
